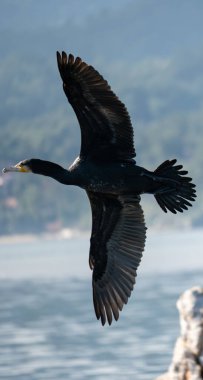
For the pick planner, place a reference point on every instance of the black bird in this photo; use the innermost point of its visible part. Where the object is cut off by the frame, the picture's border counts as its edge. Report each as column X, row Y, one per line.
column 107, row 171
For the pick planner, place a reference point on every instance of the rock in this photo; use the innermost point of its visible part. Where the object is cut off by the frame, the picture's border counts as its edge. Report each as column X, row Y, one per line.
column 187, row 362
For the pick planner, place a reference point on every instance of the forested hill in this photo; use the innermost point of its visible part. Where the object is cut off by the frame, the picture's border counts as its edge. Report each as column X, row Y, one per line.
column 151, row 52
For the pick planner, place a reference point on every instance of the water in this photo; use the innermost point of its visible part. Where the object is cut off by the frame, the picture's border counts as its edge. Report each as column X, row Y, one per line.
column 48, row 329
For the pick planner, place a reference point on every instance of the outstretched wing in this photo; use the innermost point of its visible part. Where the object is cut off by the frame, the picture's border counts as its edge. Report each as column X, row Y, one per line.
column 117, row 242
column 106, row 130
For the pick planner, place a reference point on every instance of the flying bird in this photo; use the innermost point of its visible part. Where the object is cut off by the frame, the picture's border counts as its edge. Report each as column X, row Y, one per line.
column 107, row 171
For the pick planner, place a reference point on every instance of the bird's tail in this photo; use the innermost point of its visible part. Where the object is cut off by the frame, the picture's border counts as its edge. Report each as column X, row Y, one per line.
column 176, row 191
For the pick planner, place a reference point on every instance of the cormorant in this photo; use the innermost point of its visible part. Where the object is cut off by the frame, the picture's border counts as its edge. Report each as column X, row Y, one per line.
column 107, row 171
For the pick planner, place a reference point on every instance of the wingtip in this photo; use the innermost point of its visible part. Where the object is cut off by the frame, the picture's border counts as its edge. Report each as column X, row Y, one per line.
column 59, row 59
column 61, row 56
column 71, row 59
column 64, row 59
column 173, row 161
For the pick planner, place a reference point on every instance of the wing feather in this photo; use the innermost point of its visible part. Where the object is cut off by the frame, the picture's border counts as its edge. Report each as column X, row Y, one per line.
column 106, row 130
column 117, row 243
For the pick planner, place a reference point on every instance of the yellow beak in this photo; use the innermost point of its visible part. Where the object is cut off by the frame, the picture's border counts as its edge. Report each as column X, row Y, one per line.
column 17, row 168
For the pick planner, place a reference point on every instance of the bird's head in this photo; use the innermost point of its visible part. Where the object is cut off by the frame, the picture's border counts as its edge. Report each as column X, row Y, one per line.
column 25, row 166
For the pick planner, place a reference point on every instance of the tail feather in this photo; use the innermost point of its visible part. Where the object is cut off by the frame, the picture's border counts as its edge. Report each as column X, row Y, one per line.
column 176, row 191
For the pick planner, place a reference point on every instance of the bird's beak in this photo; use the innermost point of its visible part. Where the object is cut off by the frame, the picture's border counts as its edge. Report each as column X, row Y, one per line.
column 17, row 168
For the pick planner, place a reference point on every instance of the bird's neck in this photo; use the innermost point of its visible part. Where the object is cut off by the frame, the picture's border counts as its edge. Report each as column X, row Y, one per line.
column 55, row 171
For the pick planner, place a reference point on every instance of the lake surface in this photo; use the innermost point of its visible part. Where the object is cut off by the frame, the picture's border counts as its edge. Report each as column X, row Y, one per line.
column 48, row 329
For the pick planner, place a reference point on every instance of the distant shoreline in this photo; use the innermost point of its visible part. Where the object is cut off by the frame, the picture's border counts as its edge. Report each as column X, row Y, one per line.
column 68, row 233
column 65, row 233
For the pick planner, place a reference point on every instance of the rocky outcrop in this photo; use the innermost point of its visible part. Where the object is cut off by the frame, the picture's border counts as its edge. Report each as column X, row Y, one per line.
column 187, row 362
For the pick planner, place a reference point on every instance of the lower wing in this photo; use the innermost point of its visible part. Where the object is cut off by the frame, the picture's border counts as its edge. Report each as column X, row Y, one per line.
column 117, row 243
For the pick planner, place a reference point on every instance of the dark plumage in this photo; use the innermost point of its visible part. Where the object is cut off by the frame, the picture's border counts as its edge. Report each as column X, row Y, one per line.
column 106, row 169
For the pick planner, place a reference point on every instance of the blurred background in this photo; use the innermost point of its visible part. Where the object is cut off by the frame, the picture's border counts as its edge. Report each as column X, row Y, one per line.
column 151, row 53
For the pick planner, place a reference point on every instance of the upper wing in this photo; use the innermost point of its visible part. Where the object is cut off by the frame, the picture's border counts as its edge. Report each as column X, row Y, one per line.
column 117, row 242
column 106, row 130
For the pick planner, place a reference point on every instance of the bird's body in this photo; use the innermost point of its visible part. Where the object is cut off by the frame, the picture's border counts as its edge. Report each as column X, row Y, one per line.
column 113, row 178
column 109, row 177
column 101, row 177
column 107, row 171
